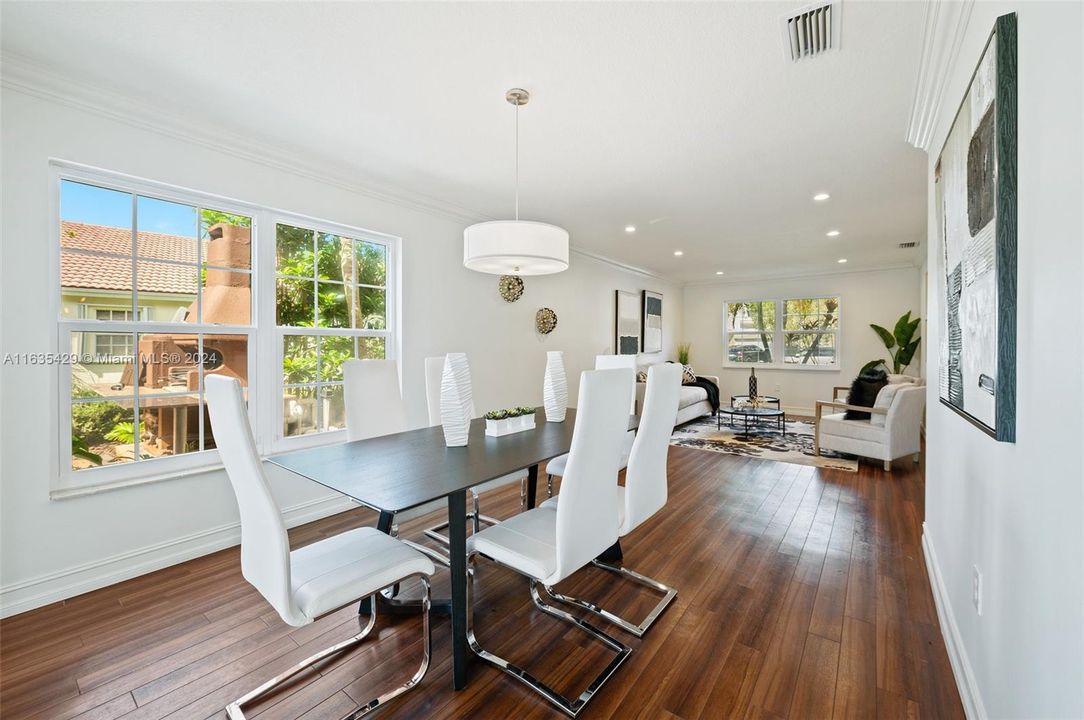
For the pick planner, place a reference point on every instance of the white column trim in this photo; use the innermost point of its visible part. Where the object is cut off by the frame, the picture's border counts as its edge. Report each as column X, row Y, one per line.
column 943, row 35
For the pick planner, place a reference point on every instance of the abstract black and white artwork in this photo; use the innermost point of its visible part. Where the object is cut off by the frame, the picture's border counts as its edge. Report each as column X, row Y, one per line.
column 626, row 323
column 652, row 330
column 975, row 197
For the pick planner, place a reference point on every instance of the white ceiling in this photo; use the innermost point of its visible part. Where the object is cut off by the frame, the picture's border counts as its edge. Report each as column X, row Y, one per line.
column 684, row 120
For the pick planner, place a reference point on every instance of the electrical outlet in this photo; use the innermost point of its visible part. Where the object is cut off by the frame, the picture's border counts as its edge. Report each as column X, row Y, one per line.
column 976, row 589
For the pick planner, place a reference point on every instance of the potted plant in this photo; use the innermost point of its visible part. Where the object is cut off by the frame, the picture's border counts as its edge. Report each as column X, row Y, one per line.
column 509, row 420
column 901, row 343
column 683, row 353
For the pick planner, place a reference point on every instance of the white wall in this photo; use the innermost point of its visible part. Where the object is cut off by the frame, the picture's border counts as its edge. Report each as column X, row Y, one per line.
column 1016, row 511
column 865, row 297
column 55, row 548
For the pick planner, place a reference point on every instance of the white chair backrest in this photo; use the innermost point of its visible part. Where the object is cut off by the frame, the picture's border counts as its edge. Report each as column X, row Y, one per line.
column 613, row 362
column 587, row 514
column 374, row 405
column 645, row 478
column 265, row 547
column 434, row 373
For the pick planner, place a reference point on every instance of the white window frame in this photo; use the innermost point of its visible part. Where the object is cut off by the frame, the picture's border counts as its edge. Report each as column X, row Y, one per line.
column 777, row 344
column 273, row 426
column 264, row 362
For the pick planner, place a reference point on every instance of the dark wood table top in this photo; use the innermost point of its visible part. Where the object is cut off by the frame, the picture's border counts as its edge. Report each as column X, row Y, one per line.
column 397, row 472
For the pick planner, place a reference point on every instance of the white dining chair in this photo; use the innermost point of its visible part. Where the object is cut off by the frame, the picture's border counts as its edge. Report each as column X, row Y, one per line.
column 645, row 489
column 434, row 371
column 374, row 403
column 548, row 544
column 556, row 466
column 304, row 584
column 374, row 407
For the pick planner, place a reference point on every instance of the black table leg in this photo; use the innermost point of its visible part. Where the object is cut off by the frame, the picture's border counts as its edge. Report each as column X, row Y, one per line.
column 457, row 552
column 532, row 485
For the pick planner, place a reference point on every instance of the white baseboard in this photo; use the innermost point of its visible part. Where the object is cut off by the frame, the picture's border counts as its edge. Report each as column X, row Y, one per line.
column 961, row 666
column 52, row 587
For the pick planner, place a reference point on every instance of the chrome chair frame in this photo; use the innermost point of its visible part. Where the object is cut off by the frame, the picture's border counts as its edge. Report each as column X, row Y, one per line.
column 570, row 707
column 234, row 709
column 475, row 516
column 668, row 592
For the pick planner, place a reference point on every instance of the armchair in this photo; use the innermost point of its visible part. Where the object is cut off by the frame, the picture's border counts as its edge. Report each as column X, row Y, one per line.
column 892, row 431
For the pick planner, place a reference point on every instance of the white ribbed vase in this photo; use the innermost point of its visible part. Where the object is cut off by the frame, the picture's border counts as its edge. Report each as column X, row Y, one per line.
column 555, row 387
column 455, row 399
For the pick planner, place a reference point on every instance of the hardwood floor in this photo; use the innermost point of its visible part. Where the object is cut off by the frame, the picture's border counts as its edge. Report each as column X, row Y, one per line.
column 802, row 593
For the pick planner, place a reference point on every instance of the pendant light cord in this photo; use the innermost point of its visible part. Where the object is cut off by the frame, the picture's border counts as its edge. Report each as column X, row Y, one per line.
column 517, row 162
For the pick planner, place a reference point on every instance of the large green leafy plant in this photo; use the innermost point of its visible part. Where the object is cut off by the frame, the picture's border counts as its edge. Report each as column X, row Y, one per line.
column 901, row 343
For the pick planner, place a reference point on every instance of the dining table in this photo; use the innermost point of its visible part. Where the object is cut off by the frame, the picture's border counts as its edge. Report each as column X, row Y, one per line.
column 394, row 473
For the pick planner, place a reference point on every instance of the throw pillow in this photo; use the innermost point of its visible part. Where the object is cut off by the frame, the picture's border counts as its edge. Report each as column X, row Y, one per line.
column 864, row 391
column 687, row 374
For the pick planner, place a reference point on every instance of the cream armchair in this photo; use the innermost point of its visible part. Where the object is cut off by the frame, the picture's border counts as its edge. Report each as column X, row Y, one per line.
column 891, row 432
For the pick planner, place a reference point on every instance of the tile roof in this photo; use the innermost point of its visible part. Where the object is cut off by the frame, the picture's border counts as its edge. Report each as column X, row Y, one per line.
column 114, row 272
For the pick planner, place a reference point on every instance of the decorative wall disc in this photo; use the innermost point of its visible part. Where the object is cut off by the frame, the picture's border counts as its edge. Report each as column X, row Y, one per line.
column 545, row 320
column 510, row 287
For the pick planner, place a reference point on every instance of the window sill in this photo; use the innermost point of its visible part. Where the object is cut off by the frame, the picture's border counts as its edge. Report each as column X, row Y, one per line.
column 209, row 464
column 776, row 366
column 82, row 489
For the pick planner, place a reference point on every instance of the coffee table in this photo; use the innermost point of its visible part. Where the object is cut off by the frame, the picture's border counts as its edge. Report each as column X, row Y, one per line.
column 766, row 398
column 754, row 413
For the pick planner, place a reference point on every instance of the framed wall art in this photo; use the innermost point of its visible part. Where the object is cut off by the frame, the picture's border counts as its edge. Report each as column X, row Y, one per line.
column 626, row 323
column 975, row 210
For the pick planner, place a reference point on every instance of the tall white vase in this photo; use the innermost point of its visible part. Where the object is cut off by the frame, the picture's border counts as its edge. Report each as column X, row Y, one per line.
column 455, row 400
column 555, row 387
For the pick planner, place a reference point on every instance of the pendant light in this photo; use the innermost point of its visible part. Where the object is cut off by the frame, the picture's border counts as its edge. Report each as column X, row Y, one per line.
column 515, row 247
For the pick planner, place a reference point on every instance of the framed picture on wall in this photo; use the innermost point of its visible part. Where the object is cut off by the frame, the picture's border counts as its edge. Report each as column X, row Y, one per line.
column 652, row 322
column 975, row 210
column 626, row 323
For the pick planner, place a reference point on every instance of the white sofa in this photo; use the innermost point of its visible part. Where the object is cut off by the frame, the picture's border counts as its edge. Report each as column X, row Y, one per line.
column 891, row 432
column 692, row 401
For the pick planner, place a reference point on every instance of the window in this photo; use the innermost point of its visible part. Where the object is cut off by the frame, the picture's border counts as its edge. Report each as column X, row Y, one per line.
column 330, row 306
column 802, row 332
column 810, row 326
column 159, row 288
column 147, row 287
column 109, row 347
column 750, row 331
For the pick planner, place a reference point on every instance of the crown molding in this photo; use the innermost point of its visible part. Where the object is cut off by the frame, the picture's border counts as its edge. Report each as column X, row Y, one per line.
column 800, row 275
column 944, row 28
column 22, row 75
column 622, row 266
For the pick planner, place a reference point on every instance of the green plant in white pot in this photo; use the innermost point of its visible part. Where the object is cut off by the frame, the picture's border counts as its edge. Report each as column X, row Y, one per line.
column 901, row 343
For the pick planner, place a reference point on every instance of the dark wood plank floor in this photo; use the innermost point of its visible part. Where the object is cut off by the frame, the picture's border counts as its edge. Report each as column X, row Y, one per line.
column 802, row 594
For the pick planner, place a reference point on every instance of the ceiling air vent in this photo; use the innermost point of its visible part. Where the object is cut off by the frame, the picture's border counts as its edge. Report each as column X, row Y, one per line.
column 906, row 245
column 811, row 30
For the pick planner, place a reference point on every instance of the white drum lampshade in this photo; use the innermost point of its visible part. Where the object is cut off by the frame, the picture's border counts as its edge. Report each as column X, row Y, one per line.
column 515, row 247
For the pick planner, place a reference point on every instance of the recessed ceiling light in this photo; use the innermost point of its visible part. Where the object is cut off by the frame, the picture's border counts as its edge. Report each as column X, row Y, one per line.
column 718, row 272
column 832, row 233
column 630, row 228
column 841, row 260
column 821, row 197
column 678, row 253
